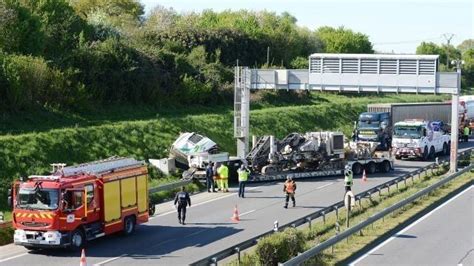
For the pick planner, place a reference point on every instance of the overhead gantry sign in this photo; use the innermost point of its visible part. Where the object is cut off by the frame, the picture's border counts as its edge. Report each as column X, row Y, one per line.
column 368, row 73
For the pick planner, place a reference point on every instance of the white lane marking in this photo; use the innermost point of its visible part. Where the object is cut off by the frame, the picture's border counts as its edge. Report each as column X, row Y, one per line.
column 174, row 211
column 195, row 233
column 408, row 228
column 110, row 260
column 201, row 203
column 324, row 186
column 14, row 257
column 154, row 246
column 245, row 213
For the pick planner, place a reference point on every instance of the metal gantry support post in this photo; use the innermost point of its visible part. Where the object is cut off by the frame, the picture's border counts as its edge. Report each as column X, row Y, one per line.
column 242, row 110
column 453, row 164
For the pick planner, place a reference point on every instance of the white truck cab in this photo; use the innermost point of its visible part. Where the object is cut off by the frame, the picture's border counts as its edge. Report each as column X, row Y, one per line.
column 419, row 139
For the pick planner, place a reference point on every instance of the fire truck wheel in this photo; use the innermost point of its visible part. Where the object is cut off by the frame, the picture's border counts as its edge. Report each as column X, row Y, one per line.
column 129, row 225
column 77, row 239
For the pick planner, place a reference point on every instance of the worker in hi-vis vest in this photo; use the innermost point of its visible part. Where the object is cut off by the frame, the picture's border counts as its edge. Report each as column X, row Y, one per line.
column 466, row 133
column 243, row 177
column 223, row 172
column 348, row 176
column 289, row 188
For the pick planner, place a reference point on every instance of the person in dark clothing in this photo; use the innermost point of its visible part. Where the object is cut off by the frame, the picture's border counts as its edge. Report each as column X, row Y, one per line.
column 210, row 177
column 183, row 200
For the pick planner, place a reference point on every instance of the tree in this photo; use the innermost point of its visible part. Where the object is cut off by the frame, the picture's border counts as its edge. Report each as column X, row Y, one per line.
column 122, row 14
column 466, row 45
column 434, row 49
column 61, row 26
column 468, row 68
column 343, row 40
column 20, row 30
column 115, row 8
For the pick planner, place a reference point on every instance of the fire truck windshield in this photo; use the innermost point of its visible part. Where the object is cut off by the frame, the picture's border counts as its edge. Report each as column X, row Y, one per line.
column 38, row 199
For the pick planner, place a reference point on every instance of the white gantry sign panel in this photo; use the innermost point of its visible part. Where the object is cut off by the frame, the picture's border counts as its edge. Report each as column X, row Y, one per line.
column 361, row 73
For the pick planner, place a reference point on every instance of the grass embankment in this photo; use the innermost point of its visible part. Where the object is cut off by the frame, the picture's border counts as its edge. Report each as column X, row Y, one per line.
column 282, row 246
column 150, row 134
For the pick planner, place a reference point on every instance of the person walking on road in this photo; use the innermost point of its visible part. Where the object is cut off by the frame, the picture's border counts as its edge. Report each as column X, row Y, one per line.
column 216, row 176
column 289, row 188
column 348, row 176
column 224, row 177
column 210, row 177
column 243, row 177
column 183, row 200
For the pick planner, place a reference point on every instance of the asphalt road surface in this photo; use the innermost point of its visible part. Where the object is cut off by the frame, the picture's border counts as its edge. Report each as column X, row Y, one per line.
column 209, row 228
column 445, row 236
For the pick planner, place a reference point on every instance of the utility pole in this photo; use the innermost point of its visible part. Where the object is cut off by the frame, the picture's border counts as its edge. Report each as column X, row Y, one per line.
column 448, row 37
column 455, row 121
column 268, row 56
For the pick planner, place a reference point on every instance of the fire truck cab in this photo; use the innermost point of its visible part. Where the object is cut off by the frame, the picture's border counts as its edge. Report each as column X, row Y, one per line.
column 79, row 203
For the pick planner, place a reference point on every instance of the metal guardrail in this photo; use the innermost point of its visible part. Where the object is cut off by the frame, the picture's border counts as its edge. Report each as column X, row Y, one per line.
column 236, row 249
column 345, row 234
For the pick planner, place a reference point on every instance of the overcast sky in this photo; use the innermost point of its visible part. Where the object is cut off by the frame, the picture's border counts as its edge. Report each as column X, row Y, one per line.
column 392, row 26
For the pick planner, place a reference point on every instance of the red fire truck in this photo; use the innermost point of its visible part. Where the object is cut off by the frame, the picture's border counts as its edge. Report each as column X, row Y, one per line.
column 79, row 203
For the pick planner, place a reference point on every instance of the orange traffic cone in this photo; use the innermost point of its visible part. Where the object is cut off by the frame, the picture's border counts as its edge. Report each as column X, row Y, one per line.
column 235, row 217
column 83, row 259
column 364, row 176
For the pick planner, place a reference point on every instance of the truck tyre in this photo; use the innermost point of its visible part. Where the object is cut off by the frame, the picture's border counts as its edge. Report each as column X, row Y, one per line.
column 385, row 167
column 77, row 239
column 129, row 225
column 371, row 168
column 398, row 157
column 425, row 154
column 357, row 169
column 445, row 149
column 432, row 152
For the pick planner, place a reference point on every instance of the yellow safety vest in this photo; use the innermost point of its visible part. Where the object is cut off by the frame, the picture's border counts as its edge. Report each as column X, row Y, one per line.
column 466, row 131
column 243, row 175
column 223, row 172
column 348, row 180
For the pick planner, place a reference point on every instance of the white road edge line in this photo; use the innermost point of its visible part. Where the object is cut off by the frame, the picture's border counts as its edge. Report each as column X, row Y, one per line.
column 109, row 260
column 201, row 203
column 14, row 257
column 408, row 227
column 324, row 186
column 174, row 211
column 245, row 213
